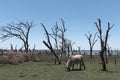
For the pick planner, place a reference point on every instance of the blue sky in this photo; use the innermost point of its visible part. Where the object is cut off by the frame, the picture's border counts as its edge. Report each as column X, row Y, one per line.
column 79, row 16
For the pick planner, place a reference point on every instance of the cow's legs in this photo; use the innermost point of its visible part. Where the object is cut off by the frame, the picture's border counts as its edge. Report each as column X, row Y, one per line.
column 80, row 65
column 69, row 69
column 72, row 66
column 83, row 64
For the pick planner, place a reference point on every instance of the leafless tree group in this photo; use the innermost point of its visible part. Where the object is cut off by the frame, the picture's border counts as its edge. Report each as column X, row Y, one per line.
column 62, row 45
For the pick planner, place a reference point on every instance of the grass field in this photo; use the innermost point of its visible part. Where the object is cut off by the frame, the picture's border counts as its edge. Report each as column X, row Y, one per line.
column 49, row 71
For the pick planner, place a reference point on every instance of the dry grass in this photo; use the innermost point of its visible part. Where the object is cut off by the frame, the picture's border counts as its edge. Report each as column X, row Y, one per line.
column 46, row 70
column 13, row 58
column 16, row 58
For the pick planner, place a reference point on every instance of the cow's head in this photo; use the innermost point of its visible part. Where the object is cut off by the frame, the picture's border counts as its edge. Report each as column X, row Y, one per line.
column 67, row 65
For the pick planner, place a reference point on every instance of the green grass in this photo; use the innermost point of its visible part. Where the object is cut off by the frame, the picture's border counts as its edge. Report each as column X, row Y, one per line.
column 49, row 71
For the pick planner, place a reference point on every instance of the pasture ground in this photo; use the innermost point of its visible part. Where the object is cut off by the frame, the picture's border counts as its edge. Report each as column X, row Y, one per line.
column 49, row 71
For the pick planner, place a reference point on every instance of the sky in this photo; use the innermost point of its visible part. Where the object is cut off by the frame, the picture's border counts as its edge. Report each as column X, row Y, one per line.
column 79, row 17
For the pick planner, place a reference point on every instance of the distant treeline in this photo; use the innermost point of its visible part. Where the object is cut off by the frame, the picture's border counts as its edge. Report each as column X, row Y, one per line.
column 84, row 52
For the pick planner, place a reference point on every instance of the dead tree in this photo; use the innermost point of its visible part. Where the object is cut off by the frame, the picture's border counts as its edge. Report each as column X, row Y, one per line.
column 58, row 33
column 79, row 50
column 91, row 42
column 20, row 30
column 109, row 51
column 62, row 36
column 54, row 35
column 49, row 45
column 68, row 47
column 71, row 46
column 117, row 51
column 13, row 50
column 103, row 41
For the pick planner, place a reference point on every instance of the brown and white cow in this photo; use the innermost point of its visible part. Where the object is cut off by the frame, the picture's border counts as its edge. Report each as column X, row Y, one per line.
column 75, row 59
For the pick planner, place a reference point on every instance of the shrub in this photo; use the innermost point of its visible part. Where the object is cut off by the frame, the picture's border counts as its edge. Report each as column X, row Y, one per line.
column 16, row 58
column 20, row 58
column 12, row 58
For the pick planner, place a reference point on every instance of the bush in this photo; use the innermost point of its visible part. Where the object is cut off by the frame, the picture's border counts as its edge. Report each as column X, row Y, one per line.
column 12, row 58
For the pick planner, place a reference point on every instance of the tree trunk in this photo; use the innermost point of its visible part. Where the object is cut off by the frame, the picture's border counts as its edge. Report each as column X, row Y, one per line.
column 91, row 53
column 115, row 61
column 106, row 58
column 59, row 61
column 103, row 61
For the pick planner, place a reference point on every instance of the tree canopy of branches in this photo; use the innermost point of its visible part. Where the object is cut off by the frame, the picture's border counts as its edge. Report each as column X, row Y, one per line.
column 103, row 41
column 54, row 35
column 58, row 33
column 19, row 30
column 63, row 29
column 92, row 41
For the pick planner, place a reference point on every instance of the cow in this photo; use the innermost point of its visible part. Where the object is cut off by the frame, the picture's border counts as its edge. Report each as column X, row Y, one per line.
column 75, row 59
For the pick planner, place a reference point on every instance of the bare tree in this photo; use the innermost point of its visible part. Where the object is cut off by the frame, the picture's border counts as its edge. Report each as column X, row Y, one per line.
column 49, row 45
column 92, row 42
column 79, row 50
column 54, row 35
column 11, row 48
column 71, row 46
column 20, row 30
column 63, row 29
column 117, row 51
column 109, row 50
column 103, row 41
column 58, row 32
column 68, row 47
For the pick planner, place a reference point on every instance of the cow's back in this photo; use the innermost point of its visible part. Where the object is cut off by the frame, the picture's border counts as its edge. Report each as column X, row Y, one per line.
column 75, row 59
column 78, row 56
